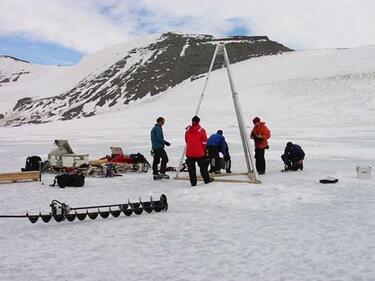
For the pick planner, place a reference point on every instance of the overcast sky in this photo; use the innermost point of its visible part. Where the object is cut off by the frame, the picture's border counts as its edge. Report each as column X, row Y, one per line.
column 61, row 31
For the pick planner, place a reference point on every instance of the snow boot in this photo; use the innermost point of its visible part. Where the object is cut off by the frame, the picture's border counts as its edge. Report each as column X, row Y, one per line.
column 158, row 177
column 164, row 176
column 210, row 180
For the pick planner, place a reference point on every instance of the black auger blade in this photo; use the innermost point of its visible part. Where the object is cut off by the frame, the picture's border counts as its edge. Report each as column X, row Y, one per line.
column 164, row 200
column 81, row 216
column 59, row 218
column 136, row 207
column 115, row 213
column 160, row 205
column 70, row 217
column 127, row 212
column 104, row 214
column 45, row 218
column 124, row 208
column 157, row 207
column 92, row 215
column 32, row 218
column 147, row 206
column 138, row 211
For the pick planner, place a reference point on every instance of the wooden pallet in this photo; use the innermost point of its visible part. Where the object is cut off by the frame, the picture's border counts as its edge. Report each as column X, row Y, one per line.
column 225, row 178
column 19, row 176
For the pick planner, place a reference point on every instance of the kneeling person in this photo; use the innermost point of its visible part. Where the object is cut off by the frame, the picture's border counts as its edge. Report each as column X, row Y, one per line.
column 293, row 157
column 215, row 144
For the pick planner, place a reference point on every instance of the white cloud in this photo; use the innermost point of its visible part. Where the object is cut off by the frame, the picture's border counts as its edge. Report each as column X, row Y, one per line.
column 90, row 25
column 74, row 24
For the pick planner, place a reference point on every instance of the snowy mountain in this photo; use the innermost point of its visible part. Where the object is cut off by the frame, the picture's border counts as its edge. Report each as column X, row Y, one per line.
column 12, row 69
column 115, row 77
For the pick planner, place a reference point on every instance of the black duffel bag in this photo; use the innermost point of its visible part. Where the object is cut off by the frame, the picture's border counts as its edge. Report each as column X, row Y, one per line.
column 76, row 180
column 32, row 164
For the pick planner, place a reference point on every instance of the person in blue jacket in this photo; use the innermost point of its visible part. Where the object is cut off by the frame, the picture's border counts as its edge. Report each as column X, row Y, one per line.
column 293, row 157
column 215, row 144
column 158, row 152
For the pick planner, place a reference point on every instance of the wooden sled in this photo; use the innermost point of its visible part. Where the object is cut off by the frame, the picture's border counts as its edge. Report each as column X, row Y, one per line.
column 20, row 176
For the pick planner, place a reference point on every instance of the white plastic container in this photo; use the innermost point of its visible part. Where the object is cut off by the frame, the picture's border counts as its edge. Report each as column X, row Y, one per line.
column 68, row 160
column 363, row 172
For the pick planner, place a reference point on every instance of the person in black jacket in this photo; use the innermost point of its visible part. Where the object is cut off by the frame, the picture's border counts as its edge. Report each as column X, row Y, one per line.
column 293, row 157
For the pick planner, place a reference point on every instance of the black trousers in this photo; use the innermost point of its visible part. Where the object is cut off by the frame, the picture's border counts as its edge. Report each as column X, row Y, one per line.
column 203, row 166
column 260, row 162
column 292, row 164
column 213, row 154
column 159, row 154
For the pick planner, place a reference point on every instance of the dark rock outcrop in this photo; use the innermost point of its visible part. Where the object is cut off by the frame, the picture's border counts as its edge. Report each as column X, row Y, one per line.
column 144, row 71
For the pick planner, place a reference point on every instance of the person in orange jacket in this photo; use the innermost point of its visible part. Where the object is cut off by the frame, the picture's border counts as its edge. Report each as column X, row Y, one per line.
column 196, row 140
column 260, row 134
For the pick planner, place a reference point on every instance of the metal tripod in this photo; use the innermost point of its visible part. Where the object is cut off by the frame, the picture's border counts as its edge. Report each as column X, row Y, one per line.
column 220, row 50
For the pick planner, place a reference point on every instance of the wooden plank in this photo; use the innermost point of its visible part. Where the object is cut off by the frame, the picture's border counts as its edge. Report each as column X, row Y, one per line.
column 19, row 176
column 227, row 175
column 221, row 179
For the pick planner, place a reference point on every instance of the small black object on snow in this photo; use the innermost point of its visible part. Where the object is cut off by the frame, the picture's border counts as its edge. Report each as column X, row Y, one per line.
column 329, row 180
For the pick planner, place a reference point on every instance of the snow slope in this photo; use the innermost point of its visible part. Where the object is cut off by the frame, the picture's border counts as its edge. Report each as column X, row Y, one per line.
column 46, row 81
column 290, row 227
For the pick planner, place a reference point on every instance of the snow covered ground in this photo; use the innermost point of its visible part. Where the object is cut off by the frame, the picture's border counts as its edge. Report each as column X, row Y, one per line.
column 290, row 227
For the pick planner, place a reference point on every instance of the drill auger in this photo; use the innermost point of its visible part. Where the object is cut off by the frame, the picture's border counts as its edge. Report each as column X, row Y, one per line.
column 61, row 211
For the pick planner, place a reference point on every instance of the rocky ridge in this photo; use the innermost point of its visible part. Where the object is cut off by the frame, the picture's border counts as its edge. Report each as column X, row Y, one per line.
column 144, row 72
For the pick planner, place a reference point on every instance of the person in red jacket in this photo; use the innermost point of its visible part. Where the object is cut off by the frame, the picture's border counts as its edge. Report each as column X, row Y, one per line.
column 260, row 134
column 196, row 139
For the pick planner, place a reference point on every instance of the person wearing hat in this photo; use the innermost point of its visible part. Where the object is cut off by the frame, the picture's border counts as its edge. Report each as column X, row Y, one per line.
column 196, row 140
column 293, row 157
column 215, row 144
column 158, row 151
column 260, row 134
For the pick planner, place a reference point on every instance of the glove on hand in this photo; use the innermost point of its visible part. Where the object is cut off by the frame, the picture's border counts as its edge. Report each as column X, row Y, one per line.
column 167, row 143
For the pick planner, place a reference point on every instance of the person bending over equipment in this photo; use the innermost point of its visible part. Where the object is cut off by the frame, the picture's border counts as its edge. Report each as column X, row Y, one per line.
column 293, row 157
column 215, row 144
